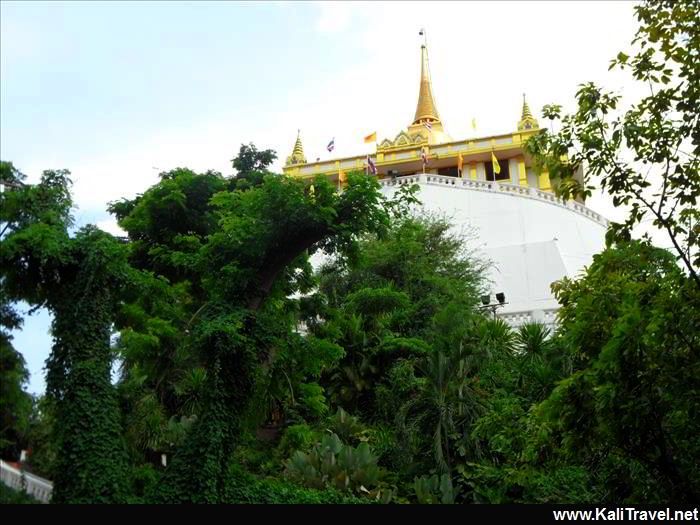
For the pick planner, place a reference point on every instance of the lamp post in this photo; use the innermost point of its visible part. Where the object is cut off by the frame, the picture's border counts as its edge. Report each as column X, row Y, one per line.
column 487, row 304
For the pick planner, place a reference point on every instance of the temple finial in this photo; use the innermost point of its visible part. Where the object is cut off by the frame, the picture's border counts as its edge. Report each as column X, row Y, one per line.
column 426, row 110
column 297, row 156
column 526, row 109
column 527, row 120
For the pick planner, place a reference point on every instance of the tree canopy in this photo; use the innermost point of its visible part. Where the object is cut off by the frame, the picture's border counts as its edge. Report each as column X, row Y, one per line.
column 247, row 374
column 648, row 157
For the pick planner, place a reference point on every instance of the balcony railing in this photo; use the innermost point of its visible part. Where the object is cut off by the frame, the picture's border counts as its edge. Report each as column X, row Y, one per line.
column 495, row 187
column 21, row 481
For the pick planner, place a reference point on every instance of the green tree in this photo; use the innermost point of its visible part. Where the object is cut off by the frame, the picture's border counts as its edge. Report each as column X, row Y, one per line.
column 15, row 403
column 77, row 277
column 403, row 310
column 251, row 258
column 446, row 403
column 541, row 360
column 648, row 158
column 41, row 437
column 251, row 166
column 380, row 305
column 168, row 224
column 250, row 159
column 631, row 323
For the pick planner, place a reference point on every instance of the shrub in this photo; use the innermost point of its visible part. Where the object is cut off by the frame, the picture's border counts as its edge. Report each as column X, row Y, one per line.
column 296, row 437
column 243, row 487
column 347, row 427
column 144, row 481
column 10, row 496
column 435, row 489
column 332, row 464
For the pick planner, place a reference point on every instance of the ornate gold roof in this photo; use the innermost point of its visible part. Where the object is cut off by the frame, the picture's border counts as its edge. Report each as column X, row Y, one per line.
column 297, row 156
column 527, row 120
column 426, row 109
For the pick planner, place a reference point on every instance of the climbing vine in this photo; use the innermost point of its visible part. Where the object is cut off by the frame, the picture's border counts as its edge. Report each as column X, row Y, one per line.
column 78, row 278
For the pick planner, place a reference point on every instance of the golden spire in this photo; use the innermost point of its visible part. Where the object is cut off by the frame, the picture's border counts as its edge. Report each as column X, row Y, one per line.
column 297, row 156
column 526, row 109
column 426, row 110
column 527, row 120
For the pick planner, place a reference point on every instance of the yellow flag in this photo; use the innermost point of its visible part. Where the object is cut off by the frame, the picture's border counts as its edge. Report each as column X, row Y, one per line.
column 460, row 162
column 342, row 176
column 496, row 165
column 372, row 137
column 474, row 124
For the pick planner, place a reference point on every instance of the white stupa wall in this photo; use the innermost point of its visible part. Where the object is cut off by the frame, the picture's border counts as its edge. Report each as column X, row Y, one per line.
column 531, row 237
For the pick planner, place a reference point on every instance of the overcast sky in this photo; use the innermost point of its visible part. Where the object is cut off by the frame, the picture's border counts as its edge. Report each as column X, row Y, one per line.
column 116, row 92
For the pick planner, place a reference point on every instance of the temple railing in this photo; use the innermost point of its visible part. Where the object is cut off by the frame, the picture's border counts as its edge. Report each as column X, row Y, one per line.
column 547, row 317
column 495, row 187
column 22, row 481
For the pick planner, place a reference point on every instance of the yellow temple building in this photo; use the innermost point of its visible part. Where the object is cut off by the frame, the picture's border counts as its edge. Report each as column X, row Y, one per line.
column 403, row 155
column 531, row 236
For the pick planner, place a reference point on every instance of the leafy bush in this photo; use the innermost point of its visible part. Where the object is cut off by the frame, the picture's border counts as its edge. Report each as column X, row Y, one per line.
column 10, row 496
column 312, row 400
column 242, row 487
column 330, row 463
column 257, row 457
column 382, row 441
column 347, row 427
column 296, row 437
column 435, row 489
column 144, row 480
column 400, row 385
column 503, row 484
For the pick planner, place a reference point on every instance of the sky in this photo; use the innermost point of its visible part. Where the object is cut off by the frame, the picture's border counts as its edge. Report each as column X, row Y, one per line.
column 118, row 91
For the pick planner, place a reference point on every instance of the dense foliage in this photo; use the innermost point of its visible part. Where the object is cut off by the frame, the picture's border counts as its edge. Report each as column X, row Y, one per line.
column 647, row 158
column 10, row 496
column 15, row 403
column 633, row 321
column 246, row 376
column 78, row 278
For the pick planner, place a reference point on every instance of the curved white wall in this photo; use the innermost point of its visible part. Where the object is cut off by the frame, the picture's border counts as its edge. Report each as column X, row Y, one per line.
column 531, row 237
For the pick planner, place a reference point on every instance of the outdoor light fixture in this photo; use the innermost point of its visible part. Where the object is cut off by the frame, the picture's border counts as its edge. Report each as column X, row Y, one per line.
column 487, row 304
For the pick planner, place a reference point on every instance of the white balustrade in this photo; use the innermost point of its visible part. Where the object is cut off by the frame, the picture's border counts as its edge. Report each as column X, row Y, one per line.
column 517, row 319
column 19, row 480
column 495, row 187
